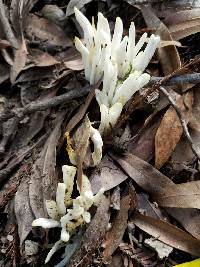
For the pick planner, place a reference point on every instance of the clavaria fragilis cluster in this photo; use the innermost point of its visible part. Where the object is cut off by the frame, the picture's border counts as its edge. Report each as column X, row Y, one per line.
column 119, row 60
column 68, row 213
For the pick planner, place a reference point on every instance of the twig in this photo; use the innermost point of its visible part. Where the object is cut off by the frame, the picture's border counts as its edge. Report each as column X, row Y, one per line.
column 6, row 26
column 187, row 78
column 194, row 148
column 43, row 105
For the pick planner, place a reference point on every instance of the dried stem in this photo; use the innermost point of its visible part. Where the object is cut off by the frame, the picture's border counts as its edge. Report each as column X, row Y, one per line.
column 194, row 148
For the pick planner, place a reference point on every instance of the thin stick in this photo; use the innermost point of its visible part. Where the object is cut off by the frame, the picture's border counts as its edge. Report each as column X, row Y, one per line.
column 6, row 26
column 43, row 105
column 194, row 148
column 186, row 78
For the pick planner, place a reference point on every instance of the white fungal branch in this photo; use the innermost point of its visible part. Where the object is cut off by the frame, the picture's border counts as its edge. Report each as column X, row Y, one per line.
column 68, row 219
column 119, row 60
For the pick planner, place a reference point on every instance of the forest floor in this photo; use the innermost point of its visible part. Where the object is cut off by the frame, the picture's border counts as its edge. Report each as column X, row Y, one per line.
column 150, row 169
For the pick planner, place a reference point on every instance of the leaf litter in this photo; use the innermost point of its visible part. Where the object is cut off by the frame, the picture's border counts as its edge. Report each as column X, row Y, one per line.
column 148, row 213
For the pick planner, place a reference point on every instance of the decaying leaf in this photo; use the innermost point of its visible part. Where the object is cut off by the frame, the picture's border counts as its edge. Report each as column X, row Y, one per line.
column 23, row 211
column 185, row 195
column 106, row 175
column 81, row 139
column 153, row 181
column 75, row 64
column 168, row 55
column 41, row 59
column 114, row 236
column 19, row 61
column 170, row 130
column 150, row 209
column 75, row 3
column 168, row 233
column 46, row 31
column 144, row 174
column 183, row 23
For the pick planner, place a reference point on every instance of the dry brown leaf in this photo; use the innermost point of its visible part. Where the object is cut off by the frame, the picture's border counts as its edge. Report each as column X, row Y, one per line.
column 93, row 236
column 75, row 64
column 188, row 218
column 4, row 44
column 152, row 181
column 23, row 211
column 144, row 174
column 170, row 130
column 19, row 61
column 42, row 59
column 183, row 23
column 181, row 16
column 168, row 233
column 185, row 195
column 106, row 175
column 75, row 3
column 46, row 31
column 143, row 146
column 150, row 209
column 168, row 55
column 114, row 236
column 184, row 29
column 81, row 139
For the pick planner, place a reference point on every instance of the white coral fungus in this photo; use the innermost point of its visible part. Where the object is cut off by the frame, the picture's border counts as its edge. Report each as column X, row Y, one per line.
column 119, row 60
column 68, row 218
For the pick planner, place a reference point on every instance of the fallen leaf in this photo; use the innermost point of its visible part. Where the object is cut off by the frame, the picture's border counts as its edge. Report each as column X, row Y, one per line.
column 150, row 209
column 188, row 218
column 46, row 31
column 4, row 44
column 143, row 145
column 152, row 181
column 93, row 235
column 170, row 130
column 19, row 61
column 114, row 236
column 81, row 139
column 144, row 174
column 75, row 64
column 168, row 55
column 185, row 195
column 106, row 175
column 75, row 3
column 183, row 23
column 23, row 211
column 41, row 59
column 167, row 233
